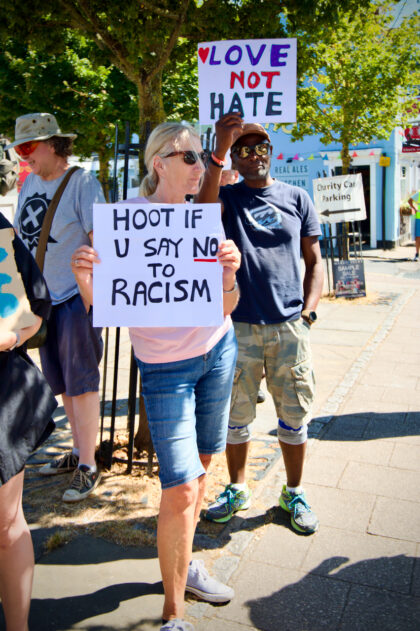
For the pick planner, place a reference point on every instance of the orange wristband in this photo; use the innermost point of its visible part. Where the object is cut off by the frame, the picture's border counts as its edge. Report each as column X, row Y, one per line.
column 218, row 161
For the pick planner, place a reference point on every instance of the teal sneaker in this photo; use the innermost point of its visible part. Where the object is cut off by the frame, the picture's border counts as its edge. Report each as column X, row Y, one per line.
column 227, row 504
column 303, row 519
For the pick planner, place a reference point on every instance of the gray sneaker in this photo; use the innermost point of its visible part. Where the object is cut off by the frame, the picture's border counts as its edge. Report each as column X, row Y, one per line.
column 63, row 464
column 302, row 516
column 176, row 624
column 206, row 587
column 227, row 504
column 83, row 483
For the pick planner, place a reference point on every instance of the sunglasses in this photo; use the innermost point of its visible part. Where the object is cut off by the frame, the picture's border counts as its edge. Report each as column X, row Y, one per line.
column 190, row 157
column 261, row 149
column 26, row 148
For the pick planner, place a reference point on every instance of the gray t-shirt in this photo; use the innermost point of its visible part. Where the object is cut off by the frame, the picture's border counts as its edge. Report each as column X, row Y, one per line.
column 70, row 228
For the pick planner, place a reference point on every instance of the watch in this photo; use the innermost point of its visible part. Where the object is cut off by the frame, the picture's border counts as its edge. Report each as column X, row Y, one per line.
column 309, row 316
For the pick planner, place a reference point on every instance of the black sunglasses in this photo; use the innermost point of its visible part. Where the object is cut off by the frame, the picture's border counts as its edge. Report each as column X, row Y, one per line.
column 190, row 157
column 244, row 151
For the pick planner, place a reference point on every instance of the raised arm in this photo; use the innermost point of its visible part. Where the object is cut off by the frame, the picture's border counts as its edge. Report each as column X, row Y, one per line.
column 227, row 127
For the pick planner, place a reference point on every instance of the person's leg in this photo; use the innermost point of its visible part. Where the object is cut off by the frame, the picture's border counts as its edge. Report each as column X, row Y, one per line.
column 16, row 556
column 86, row 422
column 175, row 532
column 68, row 408
column 293, row 457
column 237, row 457
column 417, row 246
column 290, row 381
column 248, row 374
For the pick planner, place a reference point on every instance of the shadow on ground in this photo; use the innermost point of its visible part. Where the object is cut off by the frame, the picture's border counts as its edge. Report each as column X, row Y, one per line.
column 372, row 426
column 376, row 594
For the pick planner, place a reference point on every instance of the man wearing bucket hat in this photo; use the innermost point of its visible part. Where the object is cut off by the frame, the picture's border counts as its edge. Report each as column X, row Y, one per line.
column 272, row 223
column 72, row 352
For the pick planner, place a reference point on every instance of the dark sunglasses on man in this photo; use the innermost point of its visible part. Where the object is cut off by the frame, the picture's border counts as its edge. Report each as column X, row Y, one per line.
column 262, row 149
column 190, row 157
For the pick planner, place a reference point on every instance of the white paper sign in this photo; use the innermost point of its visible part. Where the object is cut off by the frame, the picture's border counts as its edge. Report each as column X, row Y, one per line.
column 255, row 77
column 158, row 265
column 340, row 198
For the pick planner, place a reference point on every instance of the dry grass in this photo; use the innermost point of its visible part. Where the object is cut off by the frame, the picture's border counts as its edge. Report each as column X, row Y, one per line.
column 124, row 508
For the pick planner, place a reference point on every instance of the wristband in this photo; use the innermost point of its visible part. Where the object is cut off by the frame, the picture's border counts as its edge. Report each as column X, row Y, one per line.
column 217, row 161
column 234, row 288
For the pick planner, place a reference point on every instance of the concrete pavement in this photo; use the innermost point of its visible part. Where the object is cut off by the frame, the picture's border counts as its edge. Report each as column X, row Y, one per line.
column 362, row 477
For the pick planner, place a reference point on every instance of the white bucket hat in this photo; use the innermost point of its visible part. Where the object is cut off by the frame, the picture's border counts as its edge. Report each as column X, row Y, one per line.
column 37, row 127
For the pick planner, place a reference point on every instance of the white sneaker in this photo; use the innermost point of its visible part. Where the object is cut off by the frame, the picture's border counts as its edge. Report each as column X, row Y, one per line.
column 176, row 624
column 200, row 583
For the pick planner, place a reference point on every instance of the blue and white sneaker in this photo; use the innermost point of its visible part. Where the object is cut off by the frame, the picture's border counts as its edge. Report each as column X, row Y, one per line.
column 227, row 504
column 302, row 517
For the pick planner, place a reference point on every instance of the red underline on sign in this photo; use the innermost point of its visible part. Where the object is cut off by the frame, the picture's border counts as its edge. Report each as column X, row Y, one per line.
column 205, row 260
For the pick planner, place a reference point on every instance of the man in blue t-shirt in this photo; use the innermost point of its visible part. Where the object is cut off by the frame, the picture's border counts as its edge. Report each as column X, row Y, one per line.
column 272, row 223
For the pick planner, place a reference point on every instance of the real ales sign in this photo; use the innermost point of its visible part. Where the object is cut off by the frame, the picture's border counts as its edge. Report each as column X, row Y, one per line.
column 158, row 265
column 256, row 78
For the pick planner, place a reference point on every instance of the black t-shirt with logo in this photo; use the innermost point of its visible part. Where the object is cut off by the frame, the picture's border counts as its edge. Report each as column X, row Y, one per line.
column 267, row 224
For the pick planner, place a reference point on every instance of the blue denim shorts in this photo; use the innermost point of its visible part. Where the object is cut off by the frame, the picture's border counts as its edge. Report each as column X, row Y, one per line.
column 71, row 355
column 187, row 404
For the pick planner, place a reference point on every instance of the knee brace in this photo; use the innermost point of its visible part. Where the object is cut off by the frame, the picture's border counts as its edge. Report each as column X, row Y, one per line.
column 291, row 436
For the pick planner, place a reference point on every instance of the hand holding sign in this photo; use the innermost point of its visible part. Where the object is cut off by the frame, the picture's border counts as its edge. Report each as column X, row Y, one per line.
column 228, row 128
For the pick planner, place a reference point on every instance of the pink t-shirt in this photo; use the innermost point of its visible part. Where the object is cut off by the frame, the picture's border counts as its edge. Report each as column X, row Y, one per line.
column 160, row 345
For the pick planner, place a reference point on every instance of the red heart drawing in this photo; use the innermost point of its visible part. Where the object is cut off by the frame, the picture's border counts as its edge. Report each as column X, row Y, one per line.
column 203, row 53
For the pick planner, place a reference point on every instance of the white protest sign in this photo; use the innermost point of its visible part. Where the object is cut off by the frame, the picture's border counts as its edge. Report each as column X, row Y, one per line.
column 158, row 265
column 15, row 310
column 340, row 198
column 255, row 77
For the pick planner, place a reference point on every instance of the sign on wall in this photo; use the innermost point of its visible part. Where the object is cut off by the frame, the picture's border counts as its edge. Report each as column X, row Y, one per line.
column 340, row 198
column 256, row 78
column 158, row 265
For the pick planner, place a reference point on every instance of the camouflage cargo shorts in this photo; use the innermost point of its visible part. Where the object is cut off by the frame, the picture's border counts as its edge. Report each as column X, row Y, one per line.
column 283, row 351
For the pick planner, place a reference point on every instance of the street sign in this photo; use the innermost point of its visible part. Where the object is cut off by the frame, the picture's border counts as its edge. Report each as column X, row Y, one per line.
column 349, row 279
column 340, row 198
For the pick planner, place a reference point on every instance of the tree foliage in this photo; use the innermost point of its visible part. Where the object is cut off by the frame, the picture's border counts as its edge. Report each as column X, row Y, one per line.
column 356, row 79
column 86, row 98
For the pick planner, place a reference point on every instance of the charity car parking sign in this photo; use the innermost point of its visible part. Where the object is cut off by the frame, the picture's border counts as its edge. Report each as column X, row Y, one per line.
column 256, row 78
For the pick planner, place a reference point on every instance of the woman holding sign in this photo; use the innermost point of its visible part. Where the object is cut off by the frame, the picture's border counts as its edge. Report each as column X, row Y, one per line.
column 26, row 406
column 187, row 376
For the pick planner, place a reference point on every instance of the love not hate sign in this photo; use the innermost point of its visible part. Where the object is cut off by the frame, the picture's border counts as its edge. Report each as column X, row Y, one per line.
column 158, row 265
column 256, row 78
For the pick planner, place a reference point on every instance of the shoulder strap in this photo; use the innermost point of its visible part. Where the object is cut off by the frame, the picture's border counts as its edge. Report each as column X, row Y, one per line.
column 48, row 219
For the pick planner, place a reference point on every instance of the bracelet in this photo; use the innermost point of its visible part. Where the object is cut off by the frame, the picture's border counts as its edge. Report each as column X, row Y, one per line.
column 17, row 341
column 234, row 288
column 217, row 161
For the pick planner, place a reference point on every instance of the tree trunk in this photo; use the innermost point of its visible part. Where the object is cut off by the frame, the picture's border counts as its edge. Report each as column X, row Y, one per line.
column 345, row 160
column 151, row 113
column 103, row 176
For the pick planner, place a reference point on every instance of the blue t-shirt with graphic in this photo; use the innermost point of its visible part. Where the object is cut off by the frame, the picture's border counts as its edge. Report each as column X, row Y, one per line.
column 267, row 224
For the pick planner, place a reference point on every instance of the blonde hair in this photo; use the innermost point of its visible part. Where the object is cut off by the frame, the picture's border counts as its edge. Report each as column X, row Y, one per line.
column 162, row 141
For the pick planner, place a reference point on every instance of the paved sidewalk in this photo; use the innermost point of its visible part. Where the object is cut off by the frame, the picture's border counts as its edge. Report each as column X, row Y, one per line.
column 362, row 476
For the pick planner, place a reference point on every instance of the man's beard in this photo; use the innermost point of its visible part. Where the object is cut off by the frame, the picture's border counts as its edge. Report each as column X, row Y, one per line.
column 260, row 174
